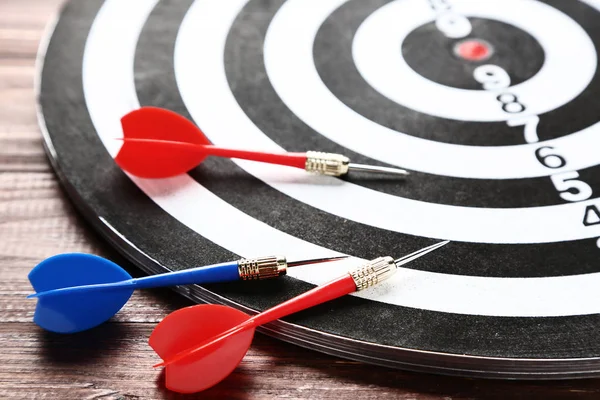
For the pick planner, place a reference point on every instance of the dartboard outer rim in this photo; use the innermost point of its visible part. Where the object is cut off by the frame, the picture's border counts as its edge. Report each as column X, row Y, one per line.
column 414, row 360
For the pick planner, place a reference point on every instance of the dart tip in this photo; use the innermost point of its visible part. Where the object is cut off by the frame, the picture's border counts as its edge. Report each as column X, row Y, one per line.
column 335, row 258
column 377, row 169
column 419, row 253
column 315, row 261
column 34, row 295
column 160, row 364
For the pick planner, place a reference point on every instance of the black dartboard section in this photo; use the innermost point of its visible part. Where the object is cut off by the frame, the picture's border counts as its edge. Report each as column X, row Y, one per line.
column 494, row 112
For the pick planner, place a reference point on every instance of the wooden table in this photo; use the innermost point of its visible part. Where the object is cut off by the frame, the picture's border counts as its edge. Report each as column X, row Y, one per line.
column 114, row 360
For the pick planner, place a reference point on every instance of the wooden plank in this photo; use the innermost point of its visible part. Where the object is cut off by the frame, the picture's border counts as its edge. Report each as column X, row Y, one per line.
column 119, row 365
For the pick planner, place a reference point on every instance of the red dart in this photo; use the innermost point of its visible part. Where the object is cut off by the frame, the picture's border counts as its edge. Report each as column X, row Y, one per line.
column 160, row 143
column 201, row 345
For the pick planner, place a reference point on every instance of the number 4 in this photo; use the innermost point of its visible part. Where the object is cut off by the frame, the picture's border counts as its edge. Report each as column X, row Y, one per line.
column 591, row 216
column 567, row 180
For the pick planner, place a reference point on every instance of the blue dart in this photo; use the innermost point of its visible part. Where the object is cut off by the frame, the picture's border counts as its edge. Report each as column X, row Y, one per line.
column 77, row 291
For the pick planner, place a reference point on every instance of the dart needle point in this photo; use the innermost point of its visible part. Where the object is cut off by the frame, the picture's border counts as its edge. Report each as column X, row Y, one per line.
column 419, row 253
column 315, row 261
column 373, row 168
column 31, row 296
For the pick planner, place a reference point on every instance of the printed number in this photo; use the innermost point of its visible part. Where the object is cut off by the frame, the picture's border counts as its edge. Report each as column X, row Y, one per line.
column 549, row 160
column 531, row 122
column 439, row 5
column 566, row 181
column 453, row 25
column 510, row 103
column 591, row 216
column 492, row 77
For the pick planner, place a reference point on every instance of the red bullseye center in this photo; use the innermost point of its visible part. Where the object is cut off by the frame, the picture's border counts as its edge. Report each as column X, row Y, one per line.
column 473, row 50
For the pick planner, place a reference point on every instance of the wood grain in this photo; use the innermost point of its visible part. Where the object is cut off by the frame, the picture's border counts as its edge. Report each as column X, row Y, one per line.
column 114, row 360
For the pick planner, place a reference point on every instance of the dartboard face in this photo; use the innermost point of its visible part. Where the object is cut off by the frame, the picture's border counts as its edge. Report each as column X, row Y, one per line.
column 491, row 105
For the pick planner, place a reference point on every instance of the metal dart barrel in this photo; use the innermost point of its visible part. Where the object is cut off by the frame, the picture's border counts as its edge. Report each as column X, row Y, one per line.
column 337, row 165
column 273, row 266
column 374, row 272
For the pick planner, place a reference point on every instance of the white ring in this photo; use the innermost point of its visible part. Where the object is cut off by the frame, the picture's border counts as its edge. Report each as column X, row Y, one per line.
column 110, row 93
column 288, row 52
column 206, row 95
column 569, row 66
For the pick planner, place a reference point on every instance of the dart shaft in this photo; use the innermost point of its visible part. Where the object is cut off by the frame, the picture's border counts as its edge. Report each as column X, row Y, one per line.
column 297, row 160
column 321, row 294
column 245, row 269
column 201, row 275
column 154, row 146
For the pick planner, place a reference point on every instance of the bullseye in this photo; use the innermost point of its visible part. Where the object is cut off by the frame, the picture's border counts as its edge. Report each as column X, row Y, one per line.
column 473, row 50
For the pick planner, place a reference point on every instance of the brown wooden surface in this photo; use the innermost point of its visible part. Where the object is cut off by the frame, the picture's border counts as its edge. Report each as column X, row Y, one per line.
column 114, row 360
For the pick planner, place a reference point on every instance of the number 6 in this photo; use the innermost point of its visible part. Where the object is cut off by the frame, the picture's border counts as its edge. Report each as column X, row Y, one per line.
column 550, row 160
column 567, row 180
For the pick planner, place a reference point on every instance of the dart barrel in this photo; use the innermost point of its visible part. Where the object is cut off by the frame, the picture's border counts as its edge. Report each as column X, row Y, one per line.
column 374, row 272
column 262, row 267
column 327, row 163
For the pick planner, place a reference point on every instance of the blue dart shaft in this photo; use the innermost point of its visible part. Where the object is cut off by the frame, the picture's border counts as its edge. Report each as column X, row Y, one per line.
column 99, row 270
column 209, row 274
column 225, row 272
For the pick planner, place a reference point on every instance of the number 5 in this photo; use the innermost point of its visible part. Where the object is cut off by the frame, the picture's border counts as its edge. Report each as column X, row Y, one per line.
column 567, row 180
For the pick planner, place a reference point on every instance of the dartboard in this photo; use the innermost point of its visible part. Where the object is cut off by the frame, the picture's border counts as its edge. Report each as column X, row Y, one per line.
column 493, row 107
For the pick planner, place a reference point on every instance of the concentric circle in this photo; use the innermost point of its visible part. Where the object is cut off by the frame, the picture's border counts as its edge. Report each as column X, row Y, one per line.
column 451, row 62
column 336, row 35
column 475, row 50
column 384, row 68
column 290, row 65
